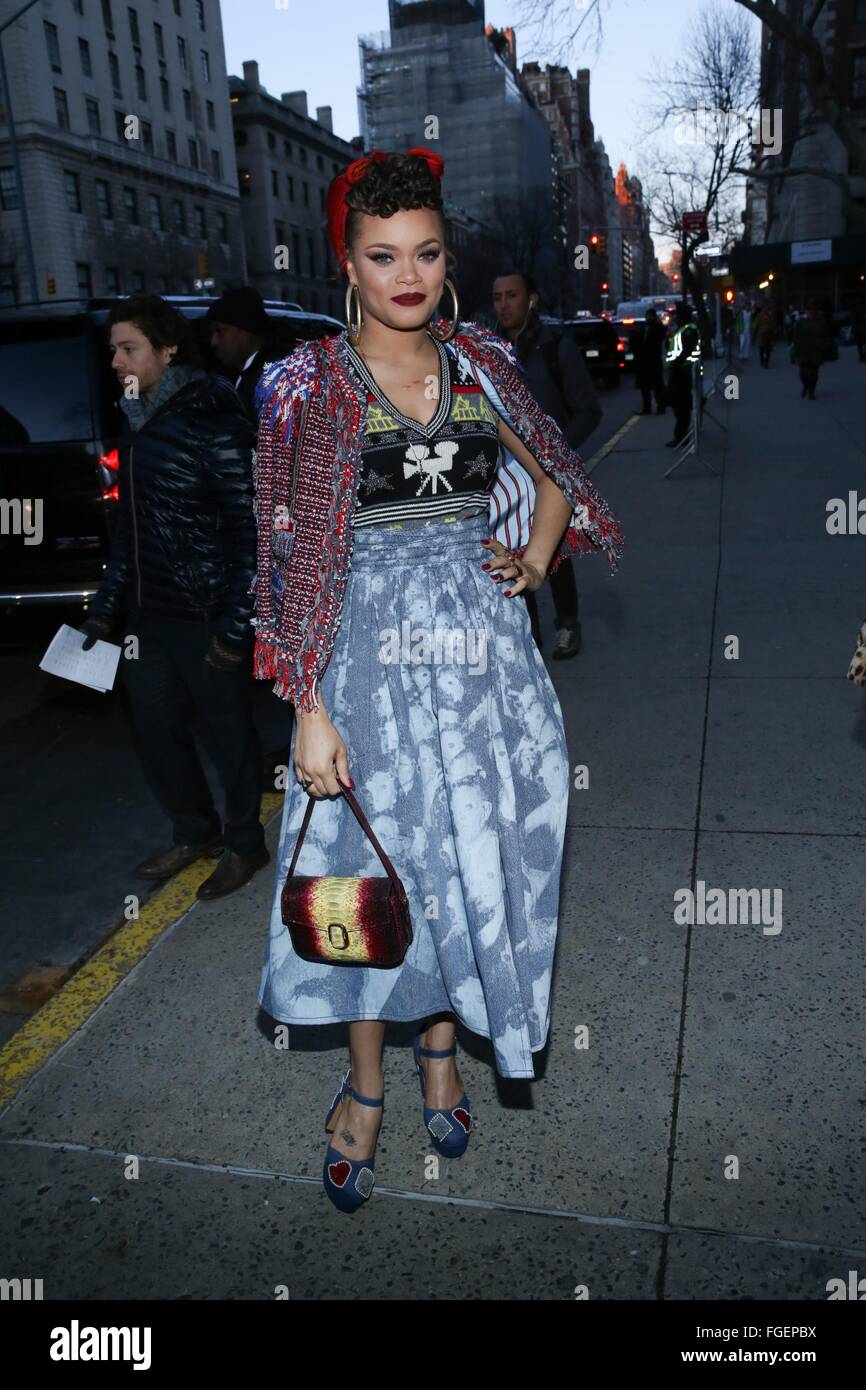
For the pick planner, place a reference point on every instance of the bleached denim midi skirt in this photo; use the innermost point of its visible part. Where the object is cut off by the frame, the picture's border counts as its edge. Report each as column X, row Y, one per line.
column 457, row 747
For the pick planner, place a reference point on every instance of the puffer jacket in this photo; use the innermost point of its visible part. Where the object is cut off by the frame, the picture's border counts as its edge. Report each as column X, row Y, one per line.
column 184, row 544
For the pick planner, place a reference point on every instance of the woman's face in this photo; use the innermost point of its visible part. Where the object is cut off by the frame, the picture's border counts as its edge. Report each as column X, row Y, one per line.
column 398, row 264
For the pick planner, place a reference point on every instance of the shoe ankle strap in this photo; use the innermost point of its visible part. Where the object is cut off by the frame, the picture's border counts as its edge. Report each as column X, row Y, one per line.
column 446, row 1052
column 364, row 1100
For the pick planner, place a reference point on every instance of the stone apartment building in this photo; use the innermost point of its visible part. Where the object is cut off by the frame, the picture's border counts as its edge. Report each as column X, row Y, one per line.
column 111, row 214
column 286, row 159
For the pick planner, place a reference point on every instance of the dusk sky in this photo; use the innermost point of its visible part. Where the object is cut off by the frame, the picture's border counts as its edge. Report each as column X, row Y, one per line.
column 314, row 47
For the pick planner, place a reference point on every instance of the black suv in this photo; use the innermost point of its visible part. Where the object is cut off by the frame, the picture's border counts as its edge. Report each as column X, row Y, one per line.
column 59, row 424
column 597, row 340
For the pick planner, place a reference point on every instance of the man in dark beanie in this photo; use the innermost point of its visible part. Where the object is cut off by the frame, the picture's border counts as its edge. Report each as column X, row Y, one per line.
column 238, row 328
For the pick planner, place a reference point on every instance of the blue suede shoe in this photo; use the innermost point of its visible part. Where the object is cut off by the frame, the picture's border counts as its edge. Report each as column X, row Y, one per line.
column 347, row 1181
column 449, row 1129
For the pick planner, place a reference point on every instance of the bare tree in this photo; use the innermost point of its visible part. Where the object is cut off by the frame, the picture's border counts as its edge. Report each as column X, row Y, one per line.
column 700, row 114
column 555, row 25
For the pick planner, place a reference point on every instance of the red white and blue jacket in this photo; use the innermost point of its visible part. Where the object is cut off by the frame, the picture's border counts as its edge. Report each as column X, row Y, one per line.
column 312, row 421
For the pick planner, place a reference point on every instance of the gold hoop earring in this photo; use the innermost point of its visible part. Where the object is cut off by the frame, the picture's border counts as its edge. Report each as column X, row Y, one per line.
column 354, row 329
column 443, row 337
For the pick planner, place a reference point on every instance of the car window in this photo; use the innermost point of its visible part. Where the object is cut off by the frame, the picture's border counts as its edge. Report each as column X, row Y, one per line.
column 44, row 384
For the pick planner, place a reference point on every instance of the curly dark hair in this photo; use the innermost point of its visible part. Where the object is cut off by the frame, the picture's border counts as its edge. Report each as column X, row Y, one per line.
column 160, row 323
column 399, row 183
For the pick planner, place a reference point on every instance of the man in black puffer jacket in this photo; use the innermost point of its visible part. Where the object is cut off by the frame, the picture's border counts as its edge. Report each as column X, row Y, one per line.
column 182, row 561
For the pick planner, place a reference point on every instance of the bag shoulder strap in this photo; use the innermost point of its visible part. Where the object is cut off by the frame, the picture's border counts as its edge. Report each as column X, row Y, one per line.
column 365, row 826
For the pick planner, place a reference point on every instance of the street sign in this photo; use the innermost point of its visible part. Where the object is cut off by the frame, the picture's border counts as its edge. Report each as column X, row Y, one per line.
column 707, row 250
column 694, row 221
column 803, row 252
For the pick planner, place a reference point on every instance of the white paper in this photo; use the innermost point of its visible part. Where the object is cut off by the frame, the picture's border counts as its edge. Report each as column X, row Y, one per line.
column 64, row 657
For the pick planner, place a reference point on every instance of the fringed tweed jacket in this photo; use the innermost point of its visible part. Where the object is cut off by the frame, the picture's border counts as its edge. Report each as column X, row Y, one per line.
column 312, row 421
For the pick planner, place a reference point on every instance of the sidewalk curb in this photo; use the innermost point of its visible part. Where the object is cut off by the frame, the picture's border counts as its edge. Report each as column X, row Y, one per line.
column 28, row 1050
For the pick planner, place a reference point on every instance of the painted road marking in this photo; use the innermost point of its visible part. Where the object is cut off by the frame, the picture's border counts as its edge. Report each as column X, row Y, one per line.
column 609, row 446
column 54, row 1024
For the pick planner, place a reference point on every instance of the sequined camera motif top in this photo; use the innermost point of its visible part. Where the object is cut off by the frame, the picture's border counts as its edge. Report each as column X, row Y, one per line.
column 410, row 471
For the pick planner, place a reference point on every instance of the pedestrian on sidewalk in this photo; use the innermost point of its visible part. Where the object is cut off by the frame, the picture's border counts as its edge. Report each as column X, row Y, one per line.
column 766, row 330
column 647, row 344
column 182, row 561
column 807, row 351
column 744, row 329
column 380, row 447
column 684, row 348
column 558, row 378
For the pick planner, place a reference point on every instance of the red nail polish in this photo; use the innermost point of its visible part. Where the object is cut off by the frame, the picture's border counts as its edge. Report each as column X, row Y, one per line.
column 507, row 593
column 485, row 567
column 352, row 783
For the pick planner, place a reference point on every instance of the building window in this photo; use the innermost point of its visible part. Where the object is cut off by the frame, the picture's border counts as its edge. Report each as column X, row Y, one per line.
column 133, row 26
column 8, row 190
column 279, row 234
column 85, row 280
column 79, row 6
column 296, row 252
column 94, row 125
column 72, row 190
column 320, row 163
column 106, row 17
column 205, row 65
column 272, row 140
column 311, row 256
column 171, row 146
column 306, row 190
column 147, row 136
column 302, row 155
column 61, row 108
column 199, row 9
column 181, row 53
column 216, row 165
column 120, row 125
column 200, row 222
column 287, row 148
column 322, row 199
column 157, row 34
column 53, row 46
column 130, row 205
column 211, row 115
column 166, row 94
column 112, row 279
column 84, row 55
column 223, row 227
column 114, row 69
column 858, row 78
column 140, row 82
column 177, row 6
column 103, row 199
column 187, row 103
column 291, row 184
column 179, row 217
column 138, row 282
column 275, row 183
column 192, row 146
column 154, row 212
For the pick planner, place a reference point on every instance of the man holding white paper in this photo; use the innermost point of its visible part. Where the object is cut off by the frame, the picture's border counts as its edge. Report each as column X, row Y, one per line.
column 178, row 579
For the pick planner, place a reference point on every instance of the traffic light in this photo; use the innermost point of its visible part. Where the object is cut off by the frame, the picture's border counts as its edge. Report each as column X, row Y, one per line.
column 51, row 284
column 604, row 286
column 598, row 243
column 729, row 296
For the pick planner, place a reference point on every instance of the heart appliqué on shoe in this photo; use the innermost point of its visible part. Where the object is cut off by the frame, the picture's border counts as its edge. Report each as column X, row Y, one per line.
column 462, row 1117
column 339, row 1172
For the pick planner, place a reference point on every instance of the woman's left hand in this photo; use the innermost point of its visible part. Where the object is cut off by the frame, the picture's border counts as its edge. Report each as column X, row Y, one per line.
column 504, row 564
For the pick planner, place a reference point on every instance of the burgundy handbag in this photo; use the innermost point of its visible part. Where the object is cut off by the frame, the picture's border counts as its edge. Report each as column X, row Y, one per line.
column 347, row 921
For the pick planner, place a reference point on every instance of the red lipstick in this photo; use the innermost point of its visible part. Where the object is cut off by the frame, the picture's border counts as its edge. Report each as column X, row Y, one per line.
column 409, row 298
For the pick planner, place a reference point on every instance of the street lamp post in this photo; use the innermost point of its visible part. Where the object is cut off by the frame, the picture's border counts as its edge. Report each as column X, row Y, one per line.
column 16, row 162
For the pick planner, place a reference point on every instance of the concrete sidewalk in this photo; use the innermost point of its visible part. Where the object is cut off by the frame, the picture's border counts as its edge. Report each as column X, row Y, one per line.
column 708, row 1141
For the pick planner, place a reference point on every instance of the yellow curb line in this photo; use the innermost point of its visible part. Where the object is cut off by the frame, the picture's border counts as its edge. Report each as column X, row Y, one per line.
column 610, row 445
column 31, row 1047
